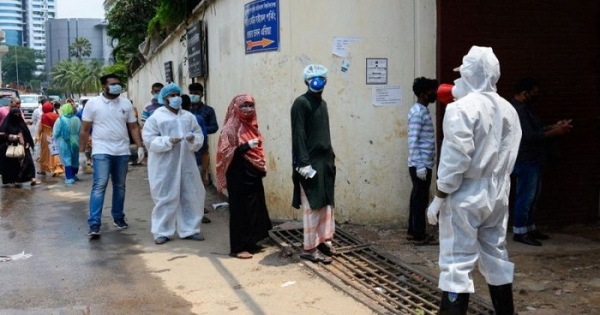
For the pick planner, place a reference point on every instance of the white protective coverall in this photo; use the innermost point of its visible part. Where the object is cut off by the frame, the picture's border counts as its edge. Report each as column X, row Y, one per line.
column 175, row 182
column 481, row 140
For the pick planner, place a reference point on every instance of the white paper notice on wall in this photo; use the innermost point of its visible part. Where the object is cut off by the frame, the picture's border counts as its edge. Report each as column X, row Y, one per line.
column 340, row 45
column 386, row 95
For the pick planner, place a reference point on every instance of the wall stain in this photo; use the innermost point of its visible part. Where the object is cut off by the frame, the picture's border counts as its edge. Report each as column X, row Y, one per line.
column 272, row 163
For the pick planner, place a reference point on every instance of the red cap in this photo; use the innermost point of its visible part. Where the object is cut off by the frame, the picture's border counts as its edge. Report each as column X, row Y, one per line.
column 444, row 93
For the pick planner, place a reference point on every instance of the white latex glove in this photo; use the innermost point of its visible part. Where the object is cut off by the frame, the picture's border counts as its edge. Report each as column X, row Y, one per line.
column 422, row 174
column 140, row 155
column 175, row 140
column 306, row 172
column 253, row 143
column 82, row 160
column 434, row 209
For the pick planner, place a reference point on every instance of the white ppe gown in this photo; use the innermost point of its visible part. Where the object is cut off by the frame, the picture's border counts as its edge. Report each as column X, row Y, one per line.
column 175, row 183
column 481, row 141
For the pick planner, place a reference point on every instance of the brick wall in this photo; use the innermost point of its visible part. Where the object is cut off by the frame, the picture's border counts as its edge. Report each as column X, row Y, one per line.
column 558, row 43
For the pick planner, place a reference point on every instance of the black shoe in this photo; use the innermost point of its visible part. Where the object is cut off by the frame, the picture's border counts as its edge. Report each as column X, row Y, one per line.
column 94, row 230
column 538, row 235
column 121, row 224
column 526, row 239
column 502, row 298
column 454, row 303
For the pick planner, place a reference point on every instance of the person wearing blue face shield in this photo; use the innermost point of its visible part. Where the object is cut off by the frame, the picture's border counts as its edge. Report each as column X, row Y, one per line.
column 313, row 164
column 172, row 135
column 151, row 106
column 111, row 116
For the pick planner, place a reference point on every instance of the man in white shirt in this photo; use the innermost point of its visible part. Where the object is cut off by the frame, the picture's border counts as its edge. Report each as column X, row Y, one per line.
column 110, row 116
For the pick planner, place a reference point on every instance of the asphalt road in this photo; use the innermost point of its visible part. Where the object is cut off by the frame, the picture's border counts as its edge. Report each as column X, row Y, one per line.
column 124, row 272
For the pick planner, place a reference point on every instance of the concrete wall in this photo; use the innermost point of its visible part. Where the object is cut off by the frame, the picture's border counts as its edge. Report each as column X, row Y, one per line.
column 370, row 143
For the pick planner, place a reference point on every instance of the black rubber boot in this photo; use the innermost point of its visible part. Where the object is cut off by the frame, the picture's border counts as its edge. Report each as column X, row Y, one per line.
column 454, row 303
column 502, row 298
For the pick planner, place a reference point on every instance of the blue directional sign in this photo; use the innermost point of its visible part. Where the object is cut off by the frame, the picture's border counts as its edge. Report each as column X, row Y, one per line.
column 261, row 26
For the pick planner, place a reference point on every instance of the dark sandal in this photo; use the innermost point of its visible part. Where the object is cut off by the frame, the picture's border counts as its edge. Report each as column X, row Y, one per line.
column 161, row 240
column 316, row 257
column 326, row 250
column 241, row 255
column 206, row 220
column 428, row 240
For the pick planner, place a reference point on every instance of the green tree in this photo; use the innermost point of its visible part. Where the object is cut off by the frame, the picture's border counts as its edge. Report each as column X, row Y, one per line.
column 169, row 14
column 81, row 47
column 127, row 26
column 77, row 77
column 21, row 58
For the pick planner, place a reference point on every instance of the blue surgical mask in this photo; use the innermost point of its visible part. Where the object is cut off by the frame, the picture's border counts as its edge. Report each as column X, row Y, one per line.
column 155, row 96
column 175, row 102
column 195, row 98
column 115, row 89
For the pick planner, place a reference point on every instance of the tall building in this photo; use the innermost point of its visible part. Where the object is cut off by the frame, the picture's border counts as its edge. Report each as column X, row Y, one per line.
column 61, row 33
column 36, row 13
column 23, row 21
column 12, row 21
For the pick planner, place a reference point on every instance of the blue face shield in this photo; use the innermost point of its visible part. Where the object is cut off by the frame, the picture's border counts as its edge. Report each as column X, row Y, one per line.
column 317, row 84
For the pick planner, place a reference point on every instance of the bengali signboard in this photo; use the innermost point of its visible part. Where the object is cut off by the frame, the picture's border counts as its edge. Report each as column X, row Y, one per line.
column 169, row 71
column 195, row 39
column 261, row 26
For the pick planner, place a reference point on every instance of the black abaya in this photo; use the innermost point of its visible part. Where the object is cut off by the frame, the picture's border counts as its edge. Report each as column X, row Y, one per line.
column 15, row 170
column 249, row 220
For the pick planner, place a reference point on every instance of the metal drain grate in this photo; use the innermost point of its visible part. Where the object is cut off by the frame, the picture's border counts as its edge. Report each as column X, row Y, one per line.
column 396, row 287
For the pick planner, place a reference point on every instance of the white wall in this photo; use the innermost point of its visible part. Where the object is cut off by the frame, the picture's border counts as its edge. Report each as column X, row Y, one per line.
column 373, row 185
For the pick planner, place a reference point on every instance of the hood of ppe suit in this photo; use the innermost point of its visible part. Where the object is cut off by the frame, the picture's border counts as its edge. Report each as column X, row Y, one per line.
column 166, row 90
column 479, row 72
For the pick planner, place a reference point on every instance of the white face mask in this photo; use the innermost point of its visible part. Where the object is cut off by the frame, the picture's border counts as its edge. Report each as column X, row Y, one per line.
column 175, row 102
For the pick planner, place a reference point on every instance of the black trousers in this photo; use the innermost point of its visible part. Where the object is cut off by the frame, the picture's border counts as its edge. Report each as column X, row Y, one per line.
column 419, row 200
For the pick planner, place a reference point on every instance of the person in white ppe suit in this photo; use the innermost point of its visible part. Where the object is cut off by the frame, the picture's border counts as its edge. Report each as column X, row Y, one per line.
column 172, row 135
column 479, row 150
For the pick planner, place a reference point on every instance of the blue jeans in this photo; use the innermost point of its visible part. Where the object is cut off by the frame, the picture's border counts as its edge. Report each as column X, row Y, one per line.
column 104, row 166
column 529, row 185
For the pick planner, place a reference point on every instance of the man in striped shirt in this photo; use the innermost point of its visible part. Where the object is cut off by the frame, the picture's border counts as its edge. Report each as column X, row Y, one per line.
column 421, row 153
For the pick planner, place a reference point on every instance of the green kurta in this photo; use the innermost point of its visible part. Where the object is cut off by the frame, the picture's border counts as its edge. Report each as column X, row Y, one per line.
column 311, row 145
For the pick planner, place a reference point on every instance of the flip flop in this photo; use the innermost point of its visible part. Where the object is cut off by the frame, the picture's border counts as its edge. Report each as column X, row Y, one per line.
column 326, row 250
column 35, row 182
column 316, row 257
column 241, row 255
column 206, row 220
